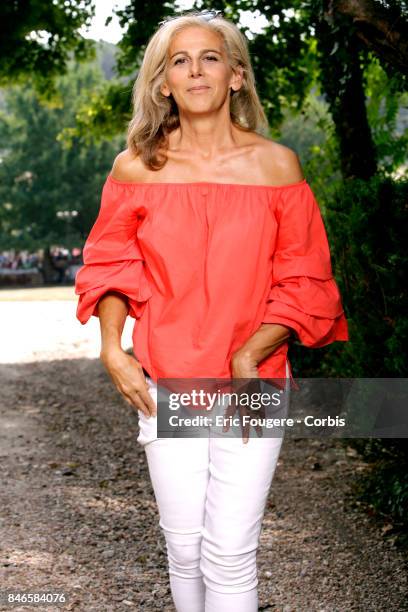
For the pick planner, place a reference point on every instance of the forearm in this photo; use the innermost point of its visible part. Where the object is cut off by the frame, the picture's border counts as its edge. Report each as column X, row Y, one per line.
column 263, row 342
column 125, row 371
column 112, row 311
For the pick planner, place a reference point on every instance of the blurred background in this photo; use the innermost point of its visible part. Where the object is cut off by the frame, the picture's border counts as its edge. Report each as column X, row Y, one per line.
column 332, row 76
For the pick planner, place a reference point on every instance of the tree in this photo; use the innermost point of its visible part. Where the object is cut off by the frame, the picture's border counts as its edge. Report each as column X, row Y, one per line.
column 38, row 38
column 40, row 178
column 383, row 28
column 341, row 56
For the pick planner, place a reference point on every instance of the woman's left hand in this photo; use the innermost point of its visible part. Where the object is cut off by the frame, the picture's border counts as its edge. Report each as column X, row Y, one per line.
column 244, row 364
column 260, row 345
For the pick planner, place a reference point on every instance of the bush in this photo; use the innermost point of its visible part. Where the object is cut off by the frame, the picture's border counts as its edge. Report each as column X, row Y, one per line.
column 366, row 222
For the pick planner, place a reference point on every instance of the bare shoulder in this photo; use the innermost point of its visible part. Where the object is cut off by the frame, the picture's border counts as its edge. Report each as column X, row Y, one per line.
column 127, row 167
column 280, row 164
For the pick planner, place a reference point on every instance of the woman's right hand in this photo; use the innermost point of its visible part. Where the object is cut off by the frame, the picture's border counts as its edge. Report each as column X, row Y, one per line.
column 129, row 379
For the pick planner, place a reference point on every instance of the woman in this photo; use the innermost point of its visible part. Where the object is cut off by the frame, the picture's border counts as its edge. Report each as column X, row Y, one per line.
column 210, row 237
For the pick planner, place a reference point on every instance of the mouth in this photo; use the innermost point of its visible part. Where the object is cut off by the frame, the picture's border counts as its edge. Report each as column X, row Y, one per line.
column 198, row 88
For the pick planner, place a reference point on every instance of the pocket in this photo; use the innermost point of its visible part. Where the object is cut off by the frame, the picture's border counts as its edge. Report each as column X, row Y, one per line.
column 148, row 429
column 152, row 388
column 148, row 426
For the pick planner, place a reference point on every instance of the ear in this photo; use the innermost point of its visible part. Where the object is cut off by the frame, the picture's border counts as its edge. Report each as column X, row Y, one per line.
column 165, row 90
column 237, row 78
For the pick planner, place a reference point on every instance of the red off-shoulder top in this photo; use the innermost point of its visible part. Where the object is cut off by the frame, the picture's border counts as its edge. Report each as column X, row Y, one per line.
column 203, row 265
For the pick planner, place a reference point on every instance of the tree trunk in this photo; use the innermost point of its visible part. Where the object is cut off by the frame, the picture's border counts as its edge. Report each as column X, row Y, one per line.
column 358, row 158
column 343, row 85
column 384, row 30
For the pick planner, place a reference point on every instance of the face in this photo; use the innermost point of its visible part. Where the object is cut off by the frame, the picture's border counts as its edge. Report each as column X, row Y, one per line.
column 198, row 73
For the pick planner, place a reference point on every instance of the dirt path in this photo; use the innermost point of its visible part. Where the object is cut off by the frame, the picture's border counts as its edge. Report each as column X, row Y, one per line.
column 78, row 513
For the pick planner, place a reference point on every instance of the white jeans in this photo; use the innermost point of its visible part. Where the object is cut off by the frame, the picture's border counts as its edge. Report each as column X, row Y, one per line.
column 211, row 495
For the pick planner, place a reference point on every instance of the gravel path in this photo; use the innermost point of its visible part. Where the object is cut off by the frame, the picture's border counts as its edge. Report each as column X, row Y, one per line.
column 78, row 512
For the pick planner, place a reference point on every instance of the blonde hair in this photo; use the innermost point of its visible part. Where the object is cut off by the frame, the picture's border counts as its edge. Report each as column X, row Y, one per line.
column 155, row 115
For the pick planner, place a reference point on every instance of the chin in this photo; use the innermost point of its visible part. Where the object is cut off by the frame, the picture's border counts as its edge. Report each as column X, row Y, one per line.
column 200, row 107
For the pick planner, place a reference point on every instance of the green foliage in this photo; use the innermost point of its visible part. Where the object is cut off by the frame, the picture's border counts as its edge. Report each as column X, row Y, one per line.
column 283, row 57
column 104, row 113
column 384, row 102
column 39, row 177
column 366, row 224
column 139, row 19
column 311, row 134
column 37, row 39
column 367, row 227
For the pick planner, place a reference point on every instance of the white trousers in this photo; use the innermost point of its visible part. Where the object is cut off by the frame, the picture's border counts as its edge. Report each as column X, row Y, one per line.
column 211, row 495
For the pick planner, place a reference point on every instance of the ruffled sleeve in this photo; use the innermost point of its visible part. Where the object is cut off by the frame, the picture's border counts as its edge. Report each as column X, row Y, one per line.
column 112, row 257
column 303, row 294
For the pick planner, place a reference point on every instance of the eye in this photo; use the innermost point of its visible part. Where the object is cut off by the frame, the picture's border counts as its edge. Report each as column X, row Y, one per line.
column 211, row 57
column 180, row 59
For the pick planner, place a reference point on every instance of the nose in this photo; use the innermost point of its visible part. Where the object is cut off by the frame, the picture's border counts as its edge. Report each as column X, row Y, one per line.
column 195, row 68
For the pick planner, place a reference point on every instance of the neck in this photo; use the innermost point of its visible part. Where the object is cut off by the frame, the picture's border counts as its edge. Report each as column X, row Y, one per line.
column 204, row 137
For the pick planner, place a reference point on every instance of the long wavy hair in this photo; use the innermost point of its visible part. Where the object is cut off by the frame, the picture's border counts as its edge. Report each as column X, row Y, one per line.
column 155, row 115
